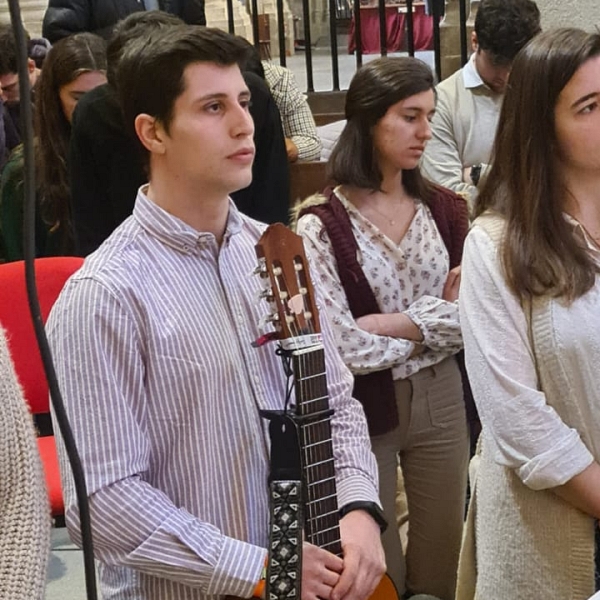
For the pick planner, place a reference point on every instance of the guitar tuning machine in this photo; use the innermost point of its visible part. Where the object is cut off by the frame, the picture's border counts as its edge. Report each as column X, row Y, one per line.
column 261, row 269
column 266, row 294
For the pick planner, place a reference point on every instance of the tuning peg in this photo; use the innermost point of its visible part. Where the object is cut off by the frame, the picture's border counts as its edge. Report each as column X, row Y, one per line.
column 261, row 268
column 272, row 319
column 266, row 294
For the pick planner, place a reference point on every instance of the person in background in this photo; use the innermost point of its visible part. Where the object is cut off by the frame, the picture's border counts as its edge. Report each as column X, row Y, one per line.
column 24, row 509
column 529, row 306
column 9, row 86
column 161, row 319
column 73, row 66
column 302, row 141
column 386, row 246
column 469, row 101
column 65, row 17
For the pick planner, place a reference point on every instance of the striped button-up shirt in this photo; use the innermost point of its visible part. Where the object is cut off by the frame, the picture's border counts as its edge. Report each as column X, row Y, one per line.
column 152, row 343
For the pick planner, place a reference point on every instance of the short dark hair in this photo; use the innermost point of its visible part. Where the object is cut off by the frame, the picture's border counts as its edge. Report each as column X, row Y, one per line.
column 150, row 74
column 134, row 26
column 252, row 60
column 8, row 49
column 375, row 87
column 503, row 27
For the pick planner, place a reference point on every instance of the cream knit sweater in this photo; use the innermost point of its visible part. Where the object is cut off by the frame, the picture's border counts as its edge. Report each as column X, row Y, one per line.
column 519, row 542
column 24, row 509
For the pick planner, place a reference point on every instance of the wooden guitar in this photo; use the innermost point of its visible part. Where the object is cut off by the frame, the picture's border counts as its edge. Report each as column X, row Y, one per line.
column 283, row 265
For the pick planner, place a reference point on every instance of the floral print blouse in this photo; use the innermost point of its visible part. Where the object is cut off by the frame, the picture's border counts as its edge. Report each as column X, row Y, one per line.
column 408, row 277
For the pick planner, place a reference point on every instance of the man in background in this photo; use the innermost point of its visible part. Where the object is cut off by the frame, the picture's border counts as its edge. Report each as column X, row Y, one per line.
column 469, row 101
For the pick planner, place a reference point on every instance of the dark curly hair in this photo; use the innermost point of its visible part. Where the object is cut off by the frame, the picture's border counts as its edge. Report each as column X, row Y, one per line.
column 503, row 27
column 8, row 49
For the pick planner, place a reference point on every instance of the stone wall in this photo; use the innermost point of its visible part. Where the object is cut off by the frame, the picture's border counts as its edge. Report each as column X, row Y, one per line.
column 577, row 13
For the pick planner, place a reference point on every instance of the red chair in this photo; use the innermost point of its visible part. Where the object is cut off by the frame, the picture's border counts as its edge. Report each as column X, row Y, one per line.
column 51, row 275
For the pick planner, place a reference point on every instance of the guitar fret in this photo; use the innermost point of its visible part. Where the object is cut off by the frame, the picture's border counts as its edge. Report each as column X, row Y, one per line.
column 318, row 464
column 312, row 376
column 322, row 499
column 322, row 516
column 316, row 444
column 314, row 483
column 320, row 398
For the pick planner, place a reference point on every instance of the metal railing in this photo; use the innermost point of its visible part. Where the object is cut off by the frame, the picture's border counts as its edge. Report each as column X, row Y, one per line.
column 342, row 11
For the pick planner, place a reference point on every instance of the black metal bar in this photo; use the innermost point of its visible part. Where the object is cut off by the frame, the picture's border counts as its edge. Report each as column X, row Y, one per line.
column 436, row 40
column 307, row 46
column 410, row 28
column 357, row 34
column 254, row 16
column 281, row 32
column 230, row 21
column 335, row 67
column 382, row 28
column 462, row 8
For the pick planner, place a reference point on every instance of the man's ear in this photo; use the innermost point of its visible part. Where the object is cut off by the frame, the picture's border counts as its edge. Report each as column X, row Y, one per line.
column 30, row 65
column 151, row 133
column 474, row 42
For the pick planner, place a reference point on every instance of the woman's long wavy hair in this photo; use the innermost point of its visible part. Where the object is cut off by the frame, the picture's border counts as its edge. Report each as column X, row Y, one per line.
column 375, row 87
column 67, row 59
column 540, row 253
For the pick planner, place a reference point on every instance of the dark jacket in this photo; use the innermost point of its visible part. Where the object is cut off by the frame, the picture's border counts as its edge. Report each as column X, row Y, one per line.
column 106, row 169
column 65, row 17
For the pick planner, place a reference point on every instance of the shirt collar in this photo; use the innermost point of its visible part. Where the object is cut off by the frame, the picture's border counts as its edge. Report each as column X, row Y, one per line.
column 174, row 232
column 471, row 77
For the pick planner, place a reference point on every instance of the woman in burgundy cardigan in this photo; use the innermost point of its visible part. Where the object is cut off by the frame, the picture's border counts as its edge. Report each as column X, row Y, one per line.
column 387, row 246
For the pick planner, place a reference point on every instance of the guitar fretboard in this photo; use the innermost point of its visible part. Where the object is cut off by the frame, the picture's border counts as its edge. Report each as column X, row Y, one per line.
column 312, row 405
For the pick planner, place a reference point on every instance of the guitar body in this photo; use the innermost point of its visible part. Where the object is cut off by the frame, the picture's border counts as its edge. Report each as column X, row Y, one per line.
column 283, row 266
column 386, row 590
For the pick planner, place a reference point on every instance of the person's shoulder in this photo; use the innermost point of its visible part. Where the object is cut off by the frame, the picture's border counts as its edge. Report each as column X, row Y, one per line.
column 450, row 83
column 115, row 260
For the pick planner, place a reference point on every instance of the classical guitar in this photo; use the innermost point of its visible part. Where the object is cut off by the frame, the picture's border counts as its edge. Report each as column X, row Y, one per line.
column 284, row 268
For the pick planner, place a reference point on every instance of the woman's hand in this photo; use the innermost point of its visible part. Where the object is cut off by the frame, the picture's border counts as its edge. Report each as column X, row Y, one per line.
column 452, row 285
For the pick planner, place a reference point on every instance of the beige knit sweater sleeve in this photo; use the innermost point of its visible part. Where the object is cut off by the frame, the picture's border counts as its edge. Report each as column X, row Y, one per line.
column 24, row 508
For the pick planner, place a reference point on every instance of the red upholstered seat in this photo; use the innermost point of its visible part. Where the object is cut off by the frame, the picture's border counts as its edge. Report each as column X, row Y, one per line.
column 51, row 274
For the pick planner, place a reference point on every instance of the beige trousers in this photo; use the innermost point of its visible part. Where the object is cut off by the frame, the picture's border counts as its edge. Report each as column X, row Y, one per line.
column 432, row 447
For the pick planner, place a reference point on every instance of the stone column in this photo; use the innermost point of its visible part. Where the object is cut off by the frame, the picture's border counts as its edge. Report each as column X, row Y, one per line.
column 32, row 13
column 450, row 35
column 216, row 16
column 269, row 7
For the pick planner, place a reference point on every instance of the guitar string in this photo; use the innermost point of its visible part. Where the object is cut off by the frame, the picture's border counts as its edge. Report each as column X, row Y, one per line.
column 324, row 450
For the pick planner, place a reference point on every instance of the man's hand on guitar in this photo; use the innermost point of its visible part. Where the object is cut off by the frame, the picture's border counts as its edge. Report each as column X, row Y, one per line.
column 320, row 572
column 364, row 560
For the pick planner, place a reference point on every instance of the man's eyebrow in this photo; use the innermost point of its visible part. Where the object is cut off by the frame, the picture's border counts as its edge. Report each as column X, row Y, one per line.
column 584, row 99
column 221, row 96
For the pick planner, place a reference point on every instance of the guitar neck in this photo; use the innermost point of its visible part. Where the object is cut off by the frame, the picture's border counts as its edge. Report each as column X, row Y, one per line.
column 312, row 407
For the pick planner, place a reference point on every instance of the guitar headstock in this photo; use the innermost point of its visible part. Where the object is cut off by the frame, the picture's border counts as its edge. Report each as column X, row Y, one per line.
column 284, row 270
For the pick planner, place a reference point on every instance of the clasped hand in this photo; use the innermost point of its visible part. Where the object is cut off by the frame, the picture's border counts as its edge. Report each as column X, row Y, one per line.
column 355, row 577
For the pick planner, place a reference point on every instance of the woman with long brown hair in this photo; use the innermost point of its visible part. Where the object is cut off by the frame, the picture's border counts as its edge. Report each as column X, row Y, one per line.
column 73, row 66
column 387, row 246
column 529, row 307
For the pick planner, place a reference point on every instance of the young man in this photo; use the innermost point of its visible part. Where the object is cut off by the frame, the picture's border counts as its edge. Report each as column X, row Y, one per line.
column 104, row 160
column 10, row 97
column 469, row 101
column 152, row 340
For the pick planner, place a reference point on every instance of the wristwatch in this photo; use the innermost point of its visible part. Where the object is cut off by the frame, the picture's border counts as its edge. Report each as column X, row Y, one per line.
column 371, row 507
column 475, row 174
